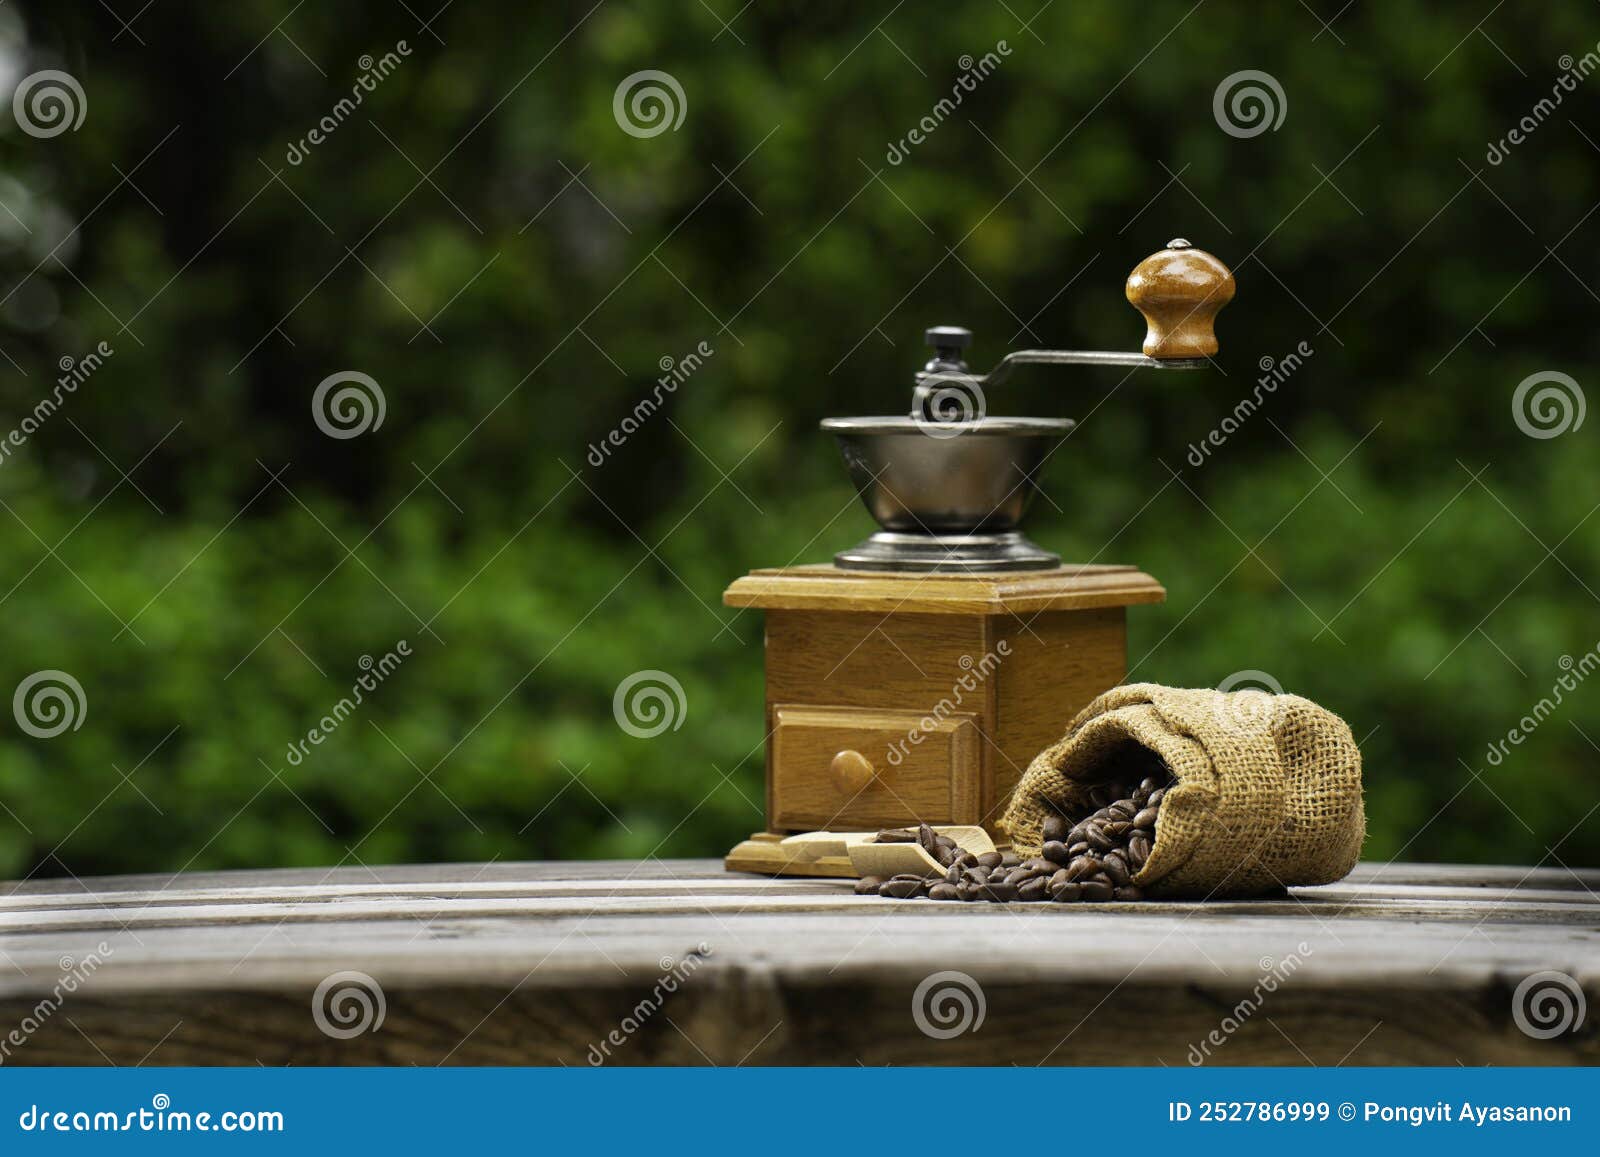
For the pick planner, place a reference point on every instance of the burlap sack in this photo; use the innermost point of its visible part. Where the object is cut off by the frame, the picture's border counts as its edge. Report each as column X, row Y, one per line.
column 1268, row 790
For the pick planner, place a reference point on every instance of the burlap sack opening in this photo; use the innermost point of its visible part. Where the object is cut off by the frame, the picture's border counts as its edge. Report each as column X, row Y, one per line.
column 1267, row 792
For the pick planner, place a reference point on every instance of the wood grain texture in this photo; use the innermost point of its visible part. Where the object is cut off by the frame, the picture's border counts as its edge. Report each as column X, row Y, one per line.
column 827, row 588
column 538, row 963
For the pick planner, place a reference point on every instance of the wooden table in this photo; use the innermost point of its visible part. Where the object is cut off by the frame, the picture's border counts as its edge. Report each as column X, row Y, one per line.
column 541, row 963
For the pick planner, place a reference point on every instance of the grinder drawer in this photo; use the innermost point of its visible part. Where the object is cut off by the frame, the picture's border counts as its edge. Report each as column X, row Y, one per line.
column 848, row 768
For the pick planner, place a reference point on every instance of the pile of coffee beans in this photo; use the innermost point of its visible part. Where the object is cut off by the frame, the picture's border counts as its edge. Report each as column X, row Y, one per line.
column 1092, row 860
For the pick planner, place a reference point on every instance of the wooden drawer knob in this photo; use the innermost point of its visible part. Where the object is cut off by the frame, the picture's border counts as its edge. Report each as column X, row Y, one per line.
column 1179, row 290
column 851, row 771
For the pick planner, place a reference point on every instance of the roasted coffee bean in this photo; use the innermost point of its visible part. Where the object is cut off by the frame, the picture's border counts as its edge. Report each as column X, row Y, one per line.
column 1034, row 889
column 928, row 838
column 943, row 840
column 1127, row 892
column 954, row 874
column 1116, row 830
column 1056, row 852
column 1065, row 893
column 1156, row 797
column 1117, row 869
column 990, row 859
column 1009, row 860
column 1040, row 864
column 900, row 889
column 1019, row 875
column 1055, row 827
column 1059, row 878
column 868, row 885
column 1002, row 892
column 1138, row 850
column 1149, row 784
column 907, row 876
column 944, row 892
column 1095, row 891
column 1078, row 848
column 1098, row 838
column 896, row 836
column 978, row 875
column 965, row 860
column 1122, row 810
column 1146, row 818
column 1099, row 795
column 1081, row 867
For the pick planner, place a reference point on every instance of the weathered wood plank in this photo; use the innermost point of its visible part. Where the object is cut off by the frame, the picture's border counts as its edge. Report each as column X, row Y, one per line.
column 534, row 963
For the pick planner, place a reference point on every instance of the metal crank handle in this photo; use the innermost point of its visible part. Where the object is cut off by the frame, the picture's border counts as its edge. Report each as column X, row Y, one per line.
column 1084, row 358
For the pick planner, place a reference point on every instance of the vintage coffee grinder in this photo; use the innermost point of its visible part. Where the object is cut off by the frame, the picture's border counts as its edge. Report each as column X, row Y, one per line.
column 917, row 676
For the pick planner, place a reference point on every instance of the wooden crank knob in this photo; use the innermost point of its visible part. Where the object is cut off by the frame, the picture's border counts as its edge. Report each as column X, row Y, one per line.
column 851, row 771
column 1179, row 290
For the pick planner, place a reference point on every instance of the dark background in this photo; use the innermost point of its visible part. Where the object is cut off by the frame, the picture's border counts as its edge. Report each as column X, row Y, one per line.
column 482, row 238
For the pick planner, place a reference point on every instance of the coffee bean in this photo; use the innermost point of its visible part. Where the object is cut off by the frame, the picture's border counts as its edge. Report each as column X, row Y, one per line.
column 1095, row 891
column 1010, row 860
column 1098, row 837
column 907, row 876
column 990, row 859
column 1040, row 864
column 1122, row 810
column 927, row 838
column 965, row 860
column 1156, row 797
column 1055, row 826
column 896, row 836
column 954, row 873
column 1127, row 892
column 1138, row 850
column 1078, row 848
column 1099, row 795
column 1065, row 893
column 1149, row 784
column 900, row 889
column 1117, row 869
column 1034, row 889
column 1116, row 830
column 1146, row 818
column 868, row 885
column 1056, row 852
column 1081, row 867
column 943, row 840
column 944, row 892
column 944, row 856
column 978, row 875
column 1001, row 892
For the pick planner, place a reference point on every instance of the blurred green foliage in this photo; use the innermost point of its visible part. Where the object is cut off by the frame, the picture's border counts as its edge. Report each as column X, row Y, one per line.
column 482, row 238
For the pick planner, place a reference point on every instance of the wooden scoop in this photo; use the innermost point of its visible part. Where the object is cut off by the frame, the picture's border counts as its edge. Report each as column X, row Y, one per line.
column 874, row 859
